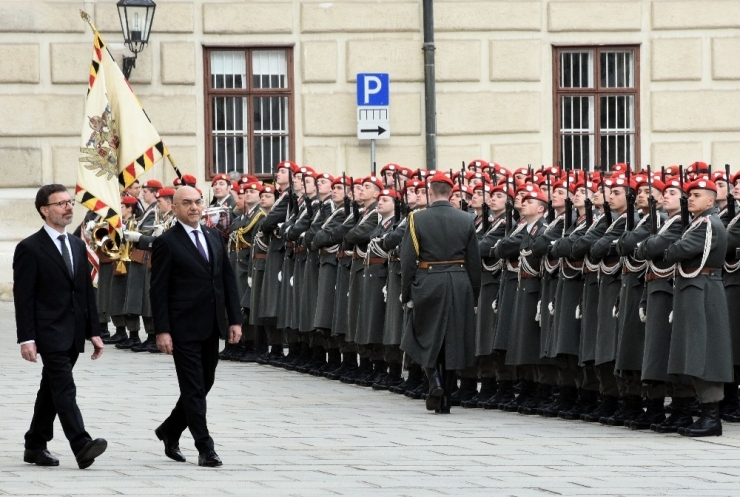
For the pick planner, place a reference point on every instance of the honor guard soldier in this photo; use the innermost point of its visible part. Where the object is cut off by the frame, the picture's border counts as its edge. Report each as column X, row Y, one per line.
column 440, row 274
column 701, row 344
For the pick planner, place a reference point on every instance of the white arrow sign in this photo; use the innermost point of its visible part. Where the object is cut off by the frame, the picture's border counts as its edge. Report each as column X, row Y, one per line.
column 373, row 123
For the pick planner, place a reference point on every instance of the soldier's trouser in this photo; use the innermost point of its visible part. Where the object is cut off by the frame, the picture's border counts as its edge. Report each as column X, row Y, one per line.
column 590, row 381
column 274, row 335
column 148, row 325
column 487, row 366
column 527, row 372
column 372, row 351
column 469, row 372
column 344, row 346
column 632, row 382
column 249, row 332
column 292, row 336
column 305, row 337
column 129, row 321
column 392, row 354
column 569, row 372
column 708, row 391
column 547, row 374
column 503, row 371
column 607, row 380
column 327, row 341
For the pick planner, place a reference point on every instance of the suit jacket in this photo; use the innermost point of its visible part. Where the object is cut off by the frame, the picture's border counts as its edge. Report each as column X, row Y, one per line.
column 53, row 309
column 187, row 292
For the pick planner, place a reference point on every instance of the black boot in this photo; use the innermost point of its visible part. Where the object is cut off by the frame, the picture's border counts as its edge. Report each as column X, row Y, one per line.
column 104, row 332
column 468, row 389
column 415, row 377
column 303, row 358
column 392, row 378
column 588, row 400
column 133, row 341
column 707, row 425
column 119, row 336
column 607, row 408
column 349, row 365
column 380, row 370
column 450, row 382
column 364, row 370
column 630, row 411
column 277, row 355
column 317, row 360
column 654, row 414
column 680, row 417
column 504, row 394
column 247, row 352
column 565, row 402
column 436, row 390
column 541, row 398
column 527, row 392
column 144, row 346
column 487, row 390
column 729, row 404
column 333, row 362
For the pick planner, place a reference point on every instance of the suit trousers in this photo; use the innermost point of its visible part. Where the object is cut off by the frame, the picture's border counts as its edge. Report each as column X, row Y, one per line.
column 57, row 396
column 195, row 364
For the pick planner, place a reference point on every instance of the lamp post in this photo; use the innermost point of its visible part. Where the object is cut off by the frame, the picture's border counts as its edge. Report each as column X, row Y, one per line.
column 136, row 23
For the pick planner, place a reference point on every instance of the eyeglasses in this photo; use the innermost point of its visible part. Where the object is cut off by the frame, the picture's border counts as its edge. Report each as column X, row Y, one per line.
column 188, row 203
column 63, row 203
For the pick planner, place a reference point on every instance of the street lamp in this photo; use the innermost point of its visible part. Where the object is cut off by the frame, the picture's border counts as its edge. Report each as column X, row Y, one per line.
column 136, row 23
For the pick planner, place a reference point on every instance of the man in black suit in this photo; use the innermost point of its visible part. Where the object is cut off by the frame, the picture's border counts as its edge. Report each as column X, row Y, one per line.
column 193, row 296
column 55, row 311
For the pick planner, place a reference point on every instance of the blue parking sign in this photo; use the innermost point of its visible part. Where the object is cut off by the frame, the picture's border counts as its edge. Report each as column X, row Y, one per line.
column 373, row 89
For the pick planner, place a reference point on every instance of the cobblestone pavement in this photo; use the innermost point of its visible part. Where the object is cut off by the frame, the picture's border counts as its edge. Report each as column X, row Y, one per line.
column 282, row 433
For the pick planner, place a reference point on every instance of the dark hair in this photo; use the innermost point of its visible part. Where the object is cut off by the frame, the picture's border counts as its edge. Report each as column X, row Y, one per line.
column 135, row 181
column 440, row 189
column 46, row 191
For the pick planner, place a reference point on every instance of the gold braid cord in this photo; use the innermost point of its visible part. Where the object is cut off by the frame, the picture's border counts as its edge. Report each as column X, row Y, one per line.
column 412, row 230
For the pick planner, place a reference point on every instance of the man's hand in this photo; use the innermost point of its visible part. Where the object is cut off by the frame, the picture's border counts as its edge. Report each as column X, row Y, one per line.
column 235, row 333
column 98, row 345
column 164, row 343
column 28, row 352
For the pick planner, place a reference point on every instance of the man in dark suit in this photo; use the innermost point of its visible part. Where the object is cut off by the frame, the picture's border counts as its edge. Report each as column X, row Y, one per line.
column 193, row 296
column 55, row 312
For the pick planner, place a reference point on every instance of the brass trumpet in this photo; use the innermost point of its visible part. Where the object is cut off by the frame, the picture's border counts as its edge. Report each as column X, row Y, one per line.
column 102, row 241
column 125, row 250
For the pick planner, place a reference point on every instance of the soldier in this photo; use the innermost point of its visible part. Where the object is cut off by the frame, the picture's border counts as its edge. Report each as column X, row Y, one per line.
column 658, row 298
column 496, row 197
column 700, row 340
column 220, row 219
column 334, row 214
column 575, row 381
column 610, row 273
column 440, row 273
column 371, row 318
column 359, row 236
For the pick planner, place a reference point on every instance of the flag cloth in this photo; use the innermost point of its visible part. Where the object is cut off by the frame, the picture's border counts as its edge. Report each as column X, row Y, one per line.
column 118, row 141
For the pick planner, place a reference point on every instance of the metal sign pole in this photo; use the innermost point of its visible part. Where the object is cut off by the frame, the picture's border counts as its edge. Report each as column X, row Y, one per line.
column 372, row 156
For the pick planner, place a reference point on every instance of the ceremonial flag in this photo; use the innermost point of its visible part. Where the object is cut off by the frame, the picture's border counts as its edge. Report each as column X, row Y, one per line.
column 118, row 141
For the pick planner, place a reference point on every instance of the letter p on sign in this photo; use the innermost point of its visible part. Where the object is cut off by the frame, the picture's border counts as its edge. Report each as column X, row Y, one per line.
column 373, row 89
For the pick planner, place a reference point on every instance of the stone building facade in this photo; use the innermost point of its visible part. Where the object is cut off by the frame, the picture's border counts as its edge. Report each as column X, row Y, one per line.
column 498, row 68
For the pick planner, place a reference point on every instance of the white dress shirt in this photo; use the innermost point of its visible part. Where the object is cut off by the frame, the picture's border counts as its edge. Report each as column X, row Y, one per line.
column 201, row 236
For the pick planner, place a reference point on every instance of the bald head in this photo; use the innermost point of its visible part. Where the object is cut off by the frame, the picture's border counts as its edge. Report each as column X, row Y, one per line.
column 188, row 206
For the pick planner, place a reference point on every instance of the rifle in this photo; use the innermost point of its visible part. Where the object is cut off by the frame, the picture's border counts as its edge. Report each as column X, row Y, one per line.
column 292, row 202
column 662, row 173
column 730, row 199
column 630, row 225
column 568, row 221
column 607, row 208
column 486, row 208
column 509, row 208
column 463, row 202
column 550, row 210
column 397, row 207
column 684, row 202
column 346, row 198
column 652, row 210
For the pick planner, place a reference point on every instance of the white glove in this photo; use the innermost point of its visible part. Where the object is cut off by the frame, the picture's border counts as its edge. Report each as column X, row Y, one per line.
column 643, row 315
column 475, row 310
column 494, row 306
column 400, row 299
column 291, row 281
column 280, row 276
column 551, row 308
column 249, row 281
column 132, row 236
column 158, row 231
column 90, row 225
column 410, row 304
column 670, row 317
column 615, row 312
column 538, row 316
column 215, row 218
column 578, row 311
column 385, row 293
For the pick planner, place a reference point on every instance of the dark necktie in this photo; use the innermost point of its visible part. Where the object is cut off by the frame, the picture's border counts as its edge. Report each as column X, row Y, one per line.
column 66, row 255
column 200, row 245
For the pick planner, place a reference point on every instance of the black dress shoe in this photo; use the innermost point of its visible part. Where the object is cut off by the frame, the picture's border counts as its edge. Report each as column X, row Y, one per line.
column 171, row 447
column 90, row 451
column 209, row 459
column 130, row 343
column 40, row 457
column 118, row 337
column 434, row 398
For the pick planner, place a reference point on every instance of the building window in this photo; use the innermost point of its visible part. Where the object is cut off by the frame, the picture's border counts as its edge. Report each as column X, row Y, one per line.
column 597, row 106
column 249, row 109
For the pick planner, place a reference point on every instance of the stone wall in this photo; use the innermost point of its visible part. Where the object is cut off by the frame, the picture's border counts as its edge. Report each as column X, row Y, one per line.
column 494, row 80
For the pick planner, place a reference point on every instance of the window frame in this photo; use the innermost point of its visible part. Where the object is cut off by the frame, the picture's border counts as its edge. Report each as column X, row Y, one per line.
column 249, row 92
column 596, row 92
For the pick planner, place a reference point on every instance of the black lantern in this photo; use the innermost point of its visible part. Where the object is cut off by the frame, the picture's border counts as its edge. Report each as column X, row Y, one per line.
column 136, row 23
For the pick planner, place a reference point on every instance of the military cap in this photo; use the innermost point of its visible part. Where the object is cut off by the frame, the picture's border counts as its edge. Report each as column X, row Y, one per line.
column 153, row 184
column 341, row 180
column 325, row 176
column 477, row 164
column 701, row 184
column 375, row 180
column 221, row 177
column 388, row 192
column 129, row 200
column 440, row 177
column 268, row 189
column 584, row 183
column 534, row 193
column 165, row 192
column 502, row 187
column 414, row 183
column 286, row 164
column 656, row 181
column 189, row 179
column 464, row 189
column 177, row 181
column 622, row 181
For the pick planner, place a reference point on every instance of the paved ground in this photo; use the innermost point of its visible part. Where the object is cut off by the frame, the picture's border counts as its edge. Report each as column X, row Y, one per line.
column 282, row 433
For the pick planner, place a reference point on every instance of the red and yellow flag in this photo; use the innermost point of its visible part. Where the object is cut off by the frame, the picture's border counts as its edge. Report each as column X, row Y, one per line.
column 118, row 141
